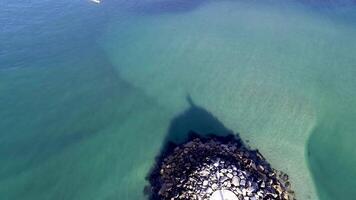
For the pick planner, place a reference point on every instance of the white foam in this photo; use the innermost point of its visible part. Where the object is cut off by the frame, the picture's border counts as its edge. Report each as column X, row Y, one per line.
column 223, row 195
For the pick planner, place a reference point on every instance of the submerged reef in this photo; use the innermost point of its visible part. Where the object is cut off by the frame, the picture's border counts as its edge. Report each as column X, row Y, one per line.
column 215, row 167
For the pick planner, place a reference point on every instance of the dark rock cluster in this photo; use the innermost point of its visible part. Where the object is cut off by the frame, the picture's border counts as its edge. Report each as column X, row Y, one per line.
column 196, row 169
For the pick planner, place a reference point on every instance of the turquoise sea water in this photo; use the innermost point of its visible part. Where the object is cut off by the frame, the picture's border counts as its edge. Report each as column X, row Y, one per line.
column 88, row 92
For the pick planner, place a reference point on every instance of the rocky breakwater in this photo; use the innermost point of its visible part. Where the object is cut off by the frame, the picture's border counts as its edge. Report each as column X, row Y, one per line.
column 204, row 165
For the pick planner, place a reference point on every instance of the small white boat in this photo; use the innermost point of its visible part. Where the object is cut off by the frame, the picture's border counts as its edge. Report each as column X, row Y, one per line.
column 96, row 1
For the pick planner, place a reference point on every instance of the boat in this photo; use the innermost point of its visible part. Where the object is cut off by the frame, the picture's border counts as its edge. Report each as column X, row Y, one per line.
column 96, row 1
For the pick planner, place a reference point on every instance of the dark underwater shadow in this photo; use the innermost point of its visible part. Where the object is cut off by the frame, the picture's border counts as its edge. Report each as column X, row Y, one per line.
column 196, row 119
column 63, row 126
column 193, row 122
column 171, row 6
column 331, row 156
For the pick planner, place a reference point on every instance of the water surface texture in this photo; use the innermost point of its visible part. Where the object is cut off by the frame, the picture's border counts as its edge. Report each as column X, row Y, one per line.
column 88, row 92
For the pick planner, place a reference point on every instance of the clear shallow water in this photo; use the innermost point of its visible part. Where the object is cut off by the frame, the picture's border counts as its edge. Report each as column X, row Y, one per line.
column 89, row 92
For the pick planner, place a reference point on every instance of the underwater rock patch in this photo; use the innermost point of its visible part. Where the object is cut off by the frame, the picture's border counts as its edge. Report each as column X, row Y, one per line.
column 207, row 168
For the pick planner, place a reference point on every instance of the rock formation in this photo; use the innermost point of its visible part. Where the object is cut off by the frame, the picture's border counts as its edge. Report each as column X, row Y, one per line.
column 196, row 169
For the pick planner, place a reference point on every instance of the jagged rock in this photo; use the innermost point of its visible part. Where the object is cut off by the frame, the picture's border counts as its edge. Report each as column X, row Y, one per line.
column 236, row 181
column 196, row 169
